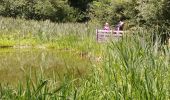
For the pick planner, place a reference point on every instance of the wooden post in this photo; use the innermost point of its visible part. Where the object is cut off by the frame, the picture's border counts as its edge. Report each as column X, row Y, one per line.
column 97, row 34
column 169, row 42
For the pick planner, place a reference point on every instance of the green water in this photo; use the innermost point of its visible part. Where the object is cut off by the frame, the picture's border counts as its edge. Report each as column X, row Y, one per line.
column 15, row 64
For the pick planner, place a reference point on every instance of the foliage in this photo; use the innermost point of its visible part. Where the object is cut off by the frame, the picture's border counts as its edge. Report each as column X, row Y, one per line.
column 142, row 12
column 106, row 11
column 137, row 13
column 58, row 11
column 82, row 6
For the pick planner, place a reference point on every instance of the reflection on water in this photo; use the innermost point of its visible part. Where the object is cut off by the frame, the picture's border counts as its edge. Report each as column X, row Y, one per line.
column 16, row 63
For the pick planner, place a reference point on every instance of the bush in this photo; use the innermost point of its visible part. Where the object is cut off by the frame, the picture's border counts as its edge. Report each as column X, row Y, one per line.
column 59, row 10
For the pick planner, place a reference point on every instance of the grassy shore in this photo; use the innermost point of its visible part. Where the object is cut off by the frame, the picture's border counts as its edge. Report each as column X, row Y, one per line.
column 132, row 68
column 20, row 33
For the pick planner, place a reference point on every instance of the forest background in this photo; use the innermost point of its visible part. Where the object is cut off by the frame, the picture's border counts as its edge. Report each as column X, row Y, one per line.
column 146, row 14
column 142, row 11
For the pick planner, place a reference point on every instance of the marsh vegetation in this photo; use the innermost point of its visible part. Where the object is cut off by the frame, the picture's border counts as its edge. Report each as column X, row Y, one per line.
column 48, row 50
column 67, row 66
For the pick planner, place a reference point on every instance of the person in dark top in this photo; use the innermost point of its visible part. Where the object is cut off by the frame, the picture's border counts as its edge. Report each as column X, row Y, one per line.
column 119, row 26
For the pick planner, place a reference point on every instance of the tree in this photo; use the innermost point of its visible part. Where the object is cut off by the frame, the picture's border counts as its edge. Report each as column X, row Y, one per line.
column 82, row 7
column 110, row 11
column 54, row 10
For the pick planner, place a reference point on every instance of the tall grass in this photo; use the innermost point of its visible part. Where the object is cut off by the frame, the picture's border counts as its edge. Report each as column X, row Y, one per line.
column 135, row 71
column 23, row 32
column 132, row 68
column 32, row 27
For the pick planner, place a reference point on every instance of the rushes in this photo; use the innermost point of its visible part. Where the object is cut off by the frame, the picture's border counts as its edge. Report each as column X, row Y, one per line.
column 42, row 32
column 129, row 69
column 25, row 28
column 136, row 71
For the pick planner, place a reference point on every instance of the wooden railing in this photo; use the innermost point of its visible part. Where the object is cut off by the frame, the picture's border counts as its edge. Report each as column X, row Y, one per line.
column 105, row 35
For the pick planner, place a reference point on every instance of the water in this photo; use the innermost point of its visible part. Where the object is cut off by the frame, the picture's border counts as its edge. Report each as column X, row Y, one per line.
column 15, row 64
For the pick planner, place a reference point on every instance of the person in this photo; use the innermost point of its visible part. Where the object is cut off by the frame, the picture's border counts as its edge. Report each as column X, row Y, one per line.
column 106, row 26
column 119, row 26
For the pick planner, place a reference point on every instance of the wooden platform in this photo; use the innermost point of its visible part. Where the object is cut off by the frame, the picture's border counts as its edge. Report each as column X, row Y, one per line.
column 106, row 35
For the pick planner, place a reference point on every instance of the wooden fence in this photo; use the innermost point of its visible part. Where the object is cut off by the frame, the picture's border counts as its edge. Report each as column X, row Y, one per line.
column 106, row 35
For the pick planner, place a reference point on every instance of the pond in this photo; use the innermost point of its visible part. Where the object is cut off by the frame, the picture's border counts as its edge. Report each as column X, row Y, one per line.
column 15, row 64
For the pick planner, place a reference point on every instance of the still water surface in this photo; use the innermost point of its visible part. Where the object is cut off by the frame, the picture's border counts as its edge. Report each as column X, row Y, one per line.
column 16, row 63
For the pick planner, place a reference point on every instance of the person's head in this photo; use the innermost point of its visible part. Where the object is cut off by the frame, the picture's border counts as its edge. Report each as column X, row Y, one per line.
column 121, row 22
column 106, row 24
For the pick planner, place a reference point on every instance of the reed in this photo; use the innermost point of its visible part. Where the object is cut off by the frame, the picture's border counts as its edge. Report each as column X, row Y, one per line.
column 132, row 68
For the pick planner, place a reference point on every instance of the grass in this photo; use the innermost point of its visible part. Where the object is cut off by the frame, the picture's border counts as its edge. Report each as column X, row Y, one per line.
column 45, row 34
column 132, row 68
